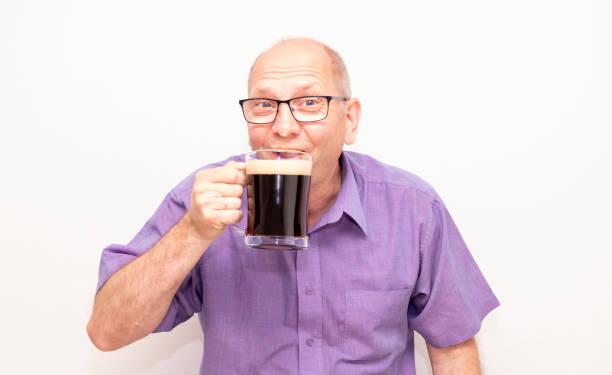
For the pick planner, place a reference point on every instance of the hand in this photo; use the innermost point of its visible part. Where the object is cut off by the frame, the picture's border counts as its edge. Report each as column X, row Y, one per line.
column 215, row 199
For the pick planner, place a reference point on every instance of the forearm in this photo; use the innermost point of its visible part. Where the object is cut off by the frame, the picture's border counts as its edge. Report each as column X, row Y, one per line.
column 461, row 359
column 136, row 298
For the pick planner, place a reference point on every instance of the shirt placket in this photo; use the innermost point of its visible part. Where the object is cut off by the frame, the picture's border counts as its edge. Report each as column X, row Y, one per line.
column 310, row 310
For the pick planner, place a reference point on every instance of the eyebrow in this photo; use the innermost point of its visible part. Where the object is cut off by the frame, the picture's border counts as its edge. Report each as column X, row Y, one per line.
column 303, row 89
column 263, row 92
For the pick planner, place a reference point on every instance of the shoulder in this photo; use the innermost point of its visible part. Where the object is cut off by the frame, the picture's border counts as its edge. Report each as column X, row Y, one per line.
column 182, row 191
column 368, row 170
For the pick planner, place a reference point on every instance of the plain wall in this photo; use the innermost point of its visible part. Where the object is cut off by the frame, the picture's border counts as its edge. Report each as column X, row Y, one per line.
column 503, row 106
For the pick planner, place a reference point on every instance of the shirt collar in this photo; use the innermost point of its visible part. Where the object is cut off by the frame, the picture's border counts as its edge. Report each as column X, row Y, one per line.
column 348, row 201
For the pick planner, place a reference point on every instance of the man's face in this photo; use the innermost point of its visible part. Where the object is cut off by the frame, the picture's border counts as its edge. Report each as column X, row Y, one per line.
column 292, row 70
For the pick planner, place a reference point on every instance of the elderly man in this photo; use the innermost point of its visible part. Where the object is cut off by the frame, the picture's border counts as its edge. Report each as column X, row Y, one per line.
column 385, row 257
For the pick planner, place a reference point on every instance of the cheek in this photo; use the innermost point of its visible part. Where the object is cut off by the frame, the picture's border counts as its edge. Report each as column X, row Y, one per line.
column 328, row 143
column 334, row 138
column 257, row 137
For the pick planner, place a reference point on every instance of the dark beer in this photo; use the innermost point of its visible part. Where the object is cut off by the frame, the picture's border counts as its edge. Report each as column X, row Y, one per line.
column 278, row 198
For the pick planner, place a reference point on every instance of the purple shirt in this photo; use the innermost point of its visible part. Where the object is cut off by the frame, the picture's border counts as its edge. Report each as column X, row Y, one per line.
column 384, row 261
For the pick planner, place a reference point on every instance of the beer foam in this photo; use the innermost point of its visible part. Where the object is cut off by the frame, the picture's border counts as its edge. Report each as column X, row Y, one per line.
column 284, row 166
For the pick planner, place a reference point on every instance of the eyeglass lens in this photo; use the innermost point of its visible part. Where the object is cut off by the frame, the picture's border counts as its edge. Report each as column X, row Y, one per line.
column 311, row 108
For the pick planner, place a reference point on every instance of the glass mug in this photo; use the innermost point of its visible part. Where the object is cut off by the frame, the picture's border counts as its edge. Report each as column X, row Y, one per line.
column 278, row 183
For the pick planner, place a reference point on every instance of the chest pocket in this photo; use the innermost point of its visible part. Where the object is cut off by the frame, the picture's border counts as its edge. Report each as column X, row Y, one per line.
column 376, row 323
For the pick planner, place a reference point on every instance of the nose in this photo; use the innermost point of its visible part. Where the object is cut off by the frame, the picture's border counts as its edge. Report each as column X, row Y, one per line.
column 285, row 125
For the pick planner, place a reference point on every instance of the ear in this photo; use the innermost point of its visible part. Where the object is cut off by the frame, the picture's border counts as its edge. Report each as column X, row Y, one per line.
column 353, row 113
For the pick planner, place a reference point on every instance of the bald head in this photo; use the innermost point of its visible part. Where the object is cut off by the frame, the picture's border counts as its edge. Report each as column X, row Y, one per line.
column 314, row 48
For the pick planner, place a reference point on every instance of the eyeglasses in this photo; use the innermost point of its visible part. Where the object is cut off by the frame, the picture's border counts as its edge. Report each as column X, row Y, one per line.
column 303, row 108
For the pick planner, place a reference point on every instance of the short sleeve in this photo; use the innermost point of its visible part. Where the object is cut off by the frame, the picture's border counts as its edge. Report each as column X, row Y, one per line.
column 451, row 297
column 188, row 299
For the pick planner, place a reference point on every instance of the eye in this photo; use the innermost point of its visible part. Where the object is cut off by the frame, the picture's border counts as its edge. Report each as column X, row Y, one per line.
column 307, row 103
column 262, row 105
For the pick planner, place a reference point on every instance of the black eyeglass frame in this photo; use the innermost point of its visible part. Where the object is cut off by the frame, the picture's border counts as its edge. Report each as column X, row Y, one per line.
column 279, row 102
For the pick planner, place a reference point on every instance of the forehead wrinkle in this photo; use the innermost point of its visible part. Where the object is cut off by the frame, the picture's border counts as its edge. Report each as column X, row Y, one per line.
column 263, row 89
column 289, row 76
column 303, row 79
column 269, row 67
column 286, row 61
column 290, row 71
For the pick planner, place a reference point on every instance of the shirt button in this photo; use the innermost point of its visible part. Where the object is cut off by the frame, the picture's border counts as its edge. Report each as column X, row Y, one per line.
column 310, row 342
column 309, row 291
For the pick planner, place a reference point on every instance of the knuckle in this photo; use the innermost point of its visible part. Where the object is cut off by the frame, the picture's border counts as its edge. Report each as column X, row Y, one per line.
column 200, row 202
column 201, row 198
column 209, row 216
column 202, row 174
column 201, row 185
column 219, row 174
column 206, row 185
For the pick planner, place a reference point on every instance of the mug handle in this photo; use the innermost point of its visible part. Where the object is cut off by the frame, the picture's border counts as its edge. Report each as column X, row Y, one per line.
column 243, row 207
column 233, row 226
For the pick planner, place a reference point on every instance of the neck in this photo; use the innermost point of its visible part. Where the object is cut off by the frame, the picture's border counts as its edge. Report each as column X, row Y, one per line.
column 323, row 195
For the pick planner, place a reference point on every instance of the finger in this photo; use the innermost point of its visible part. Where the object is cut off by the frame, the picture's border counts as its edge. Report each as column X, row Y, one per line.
column 217, row 188
column 227, row 203
column 240, row 165
column 209, row 200
column 227, row 175
column 225, row 190
column 228, row 217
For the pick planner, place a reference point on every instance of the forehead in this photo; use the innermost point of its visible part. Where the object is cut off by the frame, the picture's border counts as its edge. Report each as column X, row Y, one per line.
column 288, row 69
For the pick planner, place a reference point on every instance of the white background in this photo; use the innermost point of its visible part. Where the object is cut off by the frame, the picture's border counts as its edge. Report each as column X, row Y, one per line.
column 503, row 106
